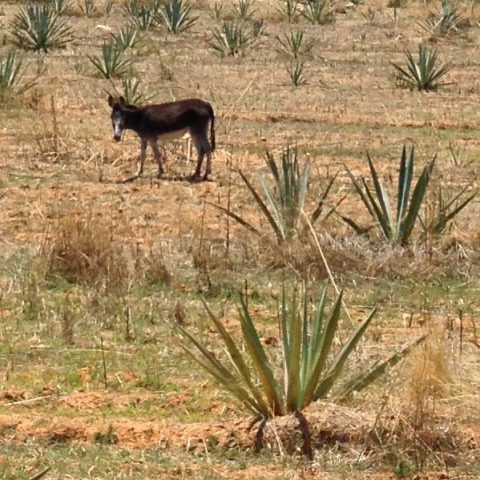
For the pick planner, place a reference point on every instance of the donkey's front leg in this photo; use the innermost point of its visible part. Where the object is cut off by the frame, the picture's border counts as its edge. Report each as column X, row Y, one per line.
column 158, row 157
column 143, row 155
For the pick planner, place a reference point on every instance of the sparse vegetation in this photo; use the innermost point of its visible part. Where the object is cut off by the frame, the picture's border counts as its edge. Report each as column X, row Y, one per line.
column 315, row 12
column 39, row 27
column 244, row 9
column 87, row 7
column 288, row 9
column 295, row 72
column 131, row 90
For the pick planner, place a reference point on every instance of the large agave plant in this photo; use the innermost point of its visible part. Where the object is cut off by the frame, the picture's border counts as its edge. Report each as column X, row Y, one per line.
column 283, row 205
column 396, row 227
column 111, row 62
column 39, row 27
column 424, row 73
column 306, row 369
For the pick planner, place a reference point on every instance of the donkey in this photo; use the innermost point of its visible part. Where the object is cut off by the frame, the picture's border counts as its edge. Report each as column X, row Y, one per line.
column 165, row 122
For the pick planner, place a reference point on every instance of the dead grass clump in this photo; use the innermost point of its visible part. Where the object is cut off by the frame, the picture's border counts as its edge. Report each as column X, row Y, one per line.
column 151, row 266
column 83, row 250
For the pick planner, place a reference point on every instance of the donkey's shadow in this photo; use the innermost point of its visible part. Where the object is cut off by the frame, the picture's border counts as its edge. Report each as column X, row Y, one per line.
column 170, row 179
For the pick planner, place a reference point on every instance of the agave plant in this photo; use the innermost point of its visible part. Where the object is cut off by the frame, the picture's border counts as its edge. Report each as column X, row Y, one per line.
column 444, row 21
column 60, row 6
column 126, row 37
column 315, row 12
column 131, row 90
column 176, row 16
column 244, row 9
column 144, row 16
column 283, row 206
column 305, row 370
column 39, row 27
column 232, row 39
column 111, row 62
column 288, row 9
column 293, row 45
column 424, row 73
column 396, row 229
column 12, row 72
column 87, row 7
column 295, row 73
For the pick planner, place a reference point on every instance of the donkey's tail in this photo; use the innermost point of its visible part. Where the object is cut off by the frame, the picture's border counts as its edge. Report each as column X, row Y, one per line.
column 212, row 129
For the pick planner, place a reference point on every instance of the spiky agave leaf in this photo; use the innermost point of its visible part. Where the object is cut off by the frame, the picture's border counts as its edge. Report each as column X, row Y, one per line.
column 41, row 474
column 38, row 27
column 177, row 17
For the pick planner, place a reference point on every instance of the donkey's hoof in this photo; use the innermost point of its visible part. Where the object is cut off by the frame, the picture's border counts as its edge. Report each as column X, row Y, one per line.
column 130, row 179
column 207, row 178
column 195, row 178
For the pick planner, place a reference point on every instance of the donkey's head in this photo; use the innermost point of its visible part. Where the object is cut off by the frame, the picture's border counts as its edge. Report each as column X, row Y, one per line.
column 118, row 105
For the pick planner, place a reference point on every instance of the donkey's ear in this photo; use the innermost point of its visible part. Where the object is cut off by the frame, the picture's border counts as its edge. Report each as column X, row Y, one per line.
column 122, row 101
column 111, row 101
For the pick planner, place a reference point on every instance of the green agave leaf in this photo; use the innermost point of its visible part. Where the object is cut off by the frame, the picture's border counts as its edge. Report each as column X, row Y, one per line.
column 337, row 365
column 416, row 202
column 260, row 361
column 405, row 176
column 278, row 213
column 236, row 356
column 366, row 378
column 324, row 345
column 318, row 210
column 237, row 218
column 263, row 207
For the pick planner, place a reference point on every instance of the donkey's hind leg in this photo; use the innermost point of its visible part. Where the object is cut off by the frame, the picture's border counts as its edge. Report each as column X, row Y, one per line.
column 200, row 140
column 158, row 158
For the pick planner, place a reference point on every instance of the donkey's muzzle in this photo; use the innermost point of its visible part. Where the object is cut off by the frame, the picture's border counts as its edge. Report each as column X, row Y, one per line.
column 117, row 138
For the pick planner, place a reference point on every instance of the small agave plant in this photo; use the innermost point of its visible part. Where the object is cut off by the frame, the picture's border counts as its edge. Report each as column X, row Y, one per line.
column 306, row 369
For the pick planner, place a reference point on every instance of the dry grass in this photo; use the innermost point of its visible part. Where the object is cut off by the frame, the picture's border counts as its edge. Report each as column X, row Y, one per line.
column 83, row 249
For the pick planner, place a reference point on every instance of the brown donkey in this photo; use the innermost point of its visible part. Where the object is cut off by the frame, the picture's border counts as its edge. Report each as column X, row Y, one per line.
column 165, row 122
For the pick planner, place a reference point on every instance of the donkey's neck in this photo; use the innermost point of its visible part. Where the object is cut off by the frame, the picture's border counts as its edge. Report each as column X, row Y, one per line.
column 133, row 118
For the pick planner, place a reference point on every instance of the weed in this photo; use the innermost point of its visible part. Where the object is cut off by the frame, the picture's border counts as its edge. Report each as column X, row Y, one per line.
column 232, row 39
column 176, row 16
column 111, row 62
column 258, row 29
column 38, row 27
column 422, row 74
